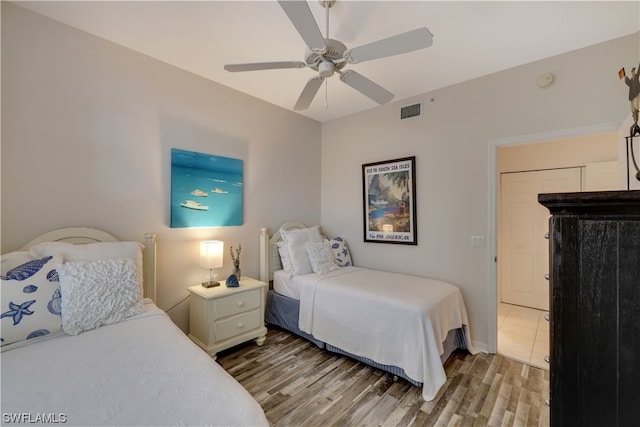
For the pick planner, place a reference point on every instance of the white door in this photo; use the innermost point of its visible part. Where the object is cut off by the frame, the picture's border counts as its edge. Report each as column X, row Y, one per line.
column 523, row 257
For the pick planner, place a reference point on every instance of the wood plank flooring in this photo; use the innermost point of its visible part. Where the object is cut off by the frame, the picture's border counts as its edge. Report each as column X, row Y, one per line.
column 298, row 384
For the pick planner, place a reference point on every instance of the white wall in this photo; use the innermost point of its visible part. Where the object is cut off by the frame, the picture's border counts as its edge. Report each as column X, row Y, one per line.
column 86, row 136
column 451, row 142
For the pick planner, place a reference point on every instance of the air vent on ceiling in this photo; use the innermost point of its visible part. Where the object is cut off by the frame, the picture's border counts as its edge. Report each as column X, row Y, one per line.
column 411, row 111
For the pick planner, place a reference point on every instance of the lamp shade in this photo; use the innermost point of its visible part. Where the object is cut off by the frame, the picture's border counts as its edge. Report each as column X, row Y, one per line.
column 211, row 253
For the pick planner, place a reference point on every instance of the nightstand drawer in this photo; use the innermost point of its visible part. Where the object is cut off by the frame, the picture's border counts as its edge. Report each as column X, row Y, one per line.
column 237, row 303
column 236, row 325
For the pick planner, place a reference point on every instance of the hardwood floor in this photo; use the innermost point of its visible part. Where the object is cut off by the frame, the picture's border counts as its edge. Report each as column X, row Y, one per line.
column 298, row 384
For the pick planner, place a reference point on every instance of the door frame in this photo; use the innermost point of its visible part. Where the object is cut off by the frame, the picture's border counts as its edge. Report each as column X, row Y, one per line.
column 492, row 295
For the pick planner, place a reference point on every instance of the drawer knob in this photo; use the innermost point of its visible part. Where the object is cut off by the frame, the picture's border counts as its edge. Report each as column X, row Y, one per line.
column 240, row 325
column 547, row 402
column 240, row 303
column 546, row 276
column 546, row 317
column 546, row 235
column 547, row 359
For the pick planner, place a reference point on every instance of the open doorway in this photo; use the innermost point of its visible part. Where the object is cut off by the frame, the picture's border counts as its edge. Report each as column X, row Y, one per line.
column 522, row 170
column 523, row 251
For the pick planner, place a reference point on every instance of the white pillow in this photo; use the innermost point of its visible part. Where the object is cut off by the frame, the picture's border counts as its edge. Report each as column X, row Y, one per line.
column 295, row 241
column 321, row 257
column 96, row 293
column 284, row 256
column 93, row 252
column 30, row 300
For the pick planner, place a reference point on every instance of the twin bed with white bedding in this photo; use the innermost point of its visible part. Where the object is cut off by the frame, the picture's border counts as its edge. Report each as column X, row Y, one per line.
column 403, row 324
column 81, row 346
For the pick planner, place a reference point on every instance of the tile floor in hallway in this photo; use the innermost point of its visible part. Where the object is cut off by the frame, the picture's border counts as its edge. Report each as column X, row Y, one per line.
column 523, row 334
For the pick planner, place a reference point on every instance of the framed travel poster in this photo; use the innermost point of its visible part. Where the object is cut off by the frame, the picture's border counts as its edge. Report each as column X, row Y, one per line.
column 390, row 201
column 206, row 190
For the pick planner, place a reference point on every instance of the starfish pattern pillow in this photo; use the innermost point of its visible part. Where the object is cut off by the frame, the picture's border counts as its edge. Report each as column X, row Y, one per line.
column 30, row 303
column 341, row 252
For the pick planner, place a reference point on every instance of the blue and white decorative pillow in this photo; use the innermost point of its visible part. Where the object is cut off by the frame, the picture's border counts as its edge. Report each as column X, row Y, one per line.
column 341, row 251
column 30, row 303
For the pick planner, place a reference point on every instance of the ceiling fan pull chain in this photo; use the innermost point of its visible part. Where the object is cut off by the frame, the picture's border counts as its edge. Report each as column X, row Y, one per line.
column 326, row 93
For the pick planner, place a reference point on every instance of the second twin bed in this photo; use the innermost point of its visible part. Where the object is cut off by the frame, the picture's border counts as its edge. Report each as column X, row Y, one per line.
column 403, row 324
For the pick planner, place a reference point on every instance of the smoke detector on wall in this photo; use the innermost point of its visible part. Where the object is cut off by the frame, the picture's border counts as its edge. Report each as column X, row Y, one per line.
column 545, row 80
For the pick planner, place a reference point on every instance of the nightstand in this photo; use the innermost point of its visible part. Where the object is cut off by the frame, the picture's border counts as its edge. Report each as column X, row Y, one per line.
column 222, row 317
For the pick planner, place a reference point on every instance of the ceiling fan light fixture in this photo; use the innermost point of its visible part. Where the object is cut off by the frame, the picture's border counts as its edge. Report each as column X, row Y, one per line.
column 326, row 69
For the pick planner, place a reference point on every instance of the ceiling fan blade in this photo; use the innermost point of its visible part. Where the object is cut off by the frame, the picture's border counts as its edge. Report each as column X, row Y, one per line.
column 366, row 87
column 301, row 17
column 308, row 93
column 264, row 66
column 394, row 45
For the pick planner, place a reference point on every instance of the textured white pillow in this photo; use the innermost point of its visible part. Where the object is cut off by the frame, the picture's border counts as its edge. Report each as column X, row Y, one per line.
column 93, row 252
column 30, row 300
column 295, row 241
column 321, row 257
column 96, row 293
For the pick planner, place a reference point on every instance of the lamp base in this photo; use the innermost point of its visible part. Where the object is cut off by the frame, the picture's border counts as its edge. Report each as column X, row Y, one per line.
column 210, row 284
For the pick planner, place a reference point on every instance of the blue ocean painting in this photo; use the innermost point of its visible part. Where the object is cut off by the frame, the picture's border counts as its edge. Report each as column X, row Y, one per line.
column 206, row 190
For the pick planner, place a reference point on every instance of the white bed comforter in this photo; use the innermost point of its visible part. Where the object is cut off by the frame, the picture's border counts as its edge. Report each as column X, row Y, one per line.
column 393, row 319
column 143, row 371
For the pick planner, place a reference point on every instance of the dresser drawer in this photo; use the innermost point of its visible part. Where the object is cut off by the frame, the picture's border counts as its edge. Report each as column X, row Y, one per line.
column 236, row 325
column 237, row 303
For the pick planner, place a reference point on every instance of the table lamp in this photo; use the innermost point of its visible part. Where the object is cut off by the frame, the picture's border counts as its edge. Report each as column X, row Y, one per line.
column 211, row 257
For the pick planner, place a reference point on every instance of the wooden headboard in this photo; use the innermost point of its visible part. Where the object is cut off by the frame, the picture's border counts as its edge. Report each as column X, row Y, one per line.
column 269, row 256
column 84, row 235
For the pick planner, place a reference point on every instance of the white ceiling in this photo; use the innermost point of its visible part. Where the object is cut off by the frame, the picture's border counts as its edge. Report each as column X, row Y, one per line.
column 471, row 39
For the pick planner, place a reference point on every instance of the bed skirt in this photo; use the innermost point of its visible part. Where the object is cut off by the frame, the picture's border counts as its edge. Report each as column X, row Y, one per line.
column 283, row 311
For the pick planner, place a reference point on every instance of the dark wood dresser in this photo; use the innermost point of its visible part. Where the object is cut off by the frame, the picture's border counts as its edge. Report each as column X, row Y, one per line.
column 594, row 308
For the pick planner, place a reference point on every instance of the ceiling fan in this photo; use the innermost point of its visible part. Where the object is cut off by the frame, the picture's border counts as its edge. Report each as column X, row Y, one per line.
column 328, row 56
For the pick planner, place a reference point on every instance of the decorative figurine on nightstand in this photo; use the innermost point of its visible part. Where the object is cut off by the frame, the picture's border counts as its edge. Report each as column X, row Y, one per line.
column 236, row 260
column 232, row 281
